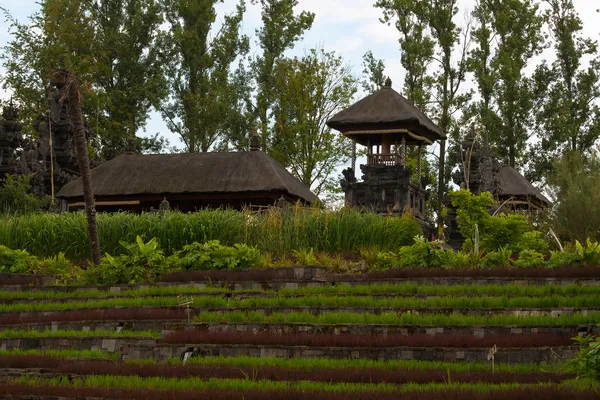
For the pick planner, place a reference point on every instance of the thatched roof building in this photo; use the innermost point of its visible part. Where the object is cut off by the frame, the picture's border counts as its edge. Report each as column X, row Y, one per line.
column 385, row 110
column 517, row 191
column 189, row 182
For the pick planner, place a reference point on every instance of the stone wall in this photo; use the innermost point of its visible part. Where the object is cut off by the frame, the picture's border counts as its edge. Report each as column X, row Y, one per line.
column 291, row 328
column 135, row 348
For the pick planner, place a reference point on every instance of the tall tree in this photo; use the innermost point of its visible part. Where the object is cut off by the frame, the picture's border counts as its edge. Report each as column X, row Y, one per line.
column 416, row 44
column 130, row 75
column 373, row 73
column 485, row 74
column 310, row 90
column 449, row 76
column 114, row 46
column 280, row 30
column 517, row 25
column 430, row 39
column 61, row 31
column 567, row 111
column 199, row 74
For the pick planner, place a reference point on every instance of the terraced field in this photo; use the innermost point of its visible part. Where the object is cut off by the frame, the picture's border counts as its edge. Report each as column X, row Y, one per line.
column 299, row 333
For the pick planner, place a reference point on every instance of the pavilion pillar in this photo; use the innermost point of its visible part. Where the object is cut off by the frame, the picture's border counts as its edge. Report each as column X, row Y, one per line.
column 354, row 156
column 419, row 166
column 403, row 152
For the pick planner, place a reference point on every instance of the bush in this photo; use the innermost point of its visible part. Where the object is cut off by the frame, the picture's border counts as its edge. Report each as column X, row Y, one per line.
column 508, row 231
column 16, row 196
column 530, row 259
column 587, row 362
column 421, row 254
column 497, row 258
column 576, row 180
column 213, row 255
column 16, row 261
column 144, row 263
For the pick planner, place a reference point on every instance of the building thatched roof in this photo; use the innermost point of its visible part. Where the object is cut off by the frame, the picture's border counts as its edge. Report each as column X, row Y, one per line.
column 386, row 109
column 204, row 173
column 512, row 183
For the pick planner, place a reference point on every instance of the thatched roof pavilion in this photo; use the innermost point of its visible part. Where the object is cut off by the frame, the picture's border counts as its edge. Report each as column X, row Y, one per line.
column 189, row 182
column 389, row 113
column 386, row 123
column 517, row 191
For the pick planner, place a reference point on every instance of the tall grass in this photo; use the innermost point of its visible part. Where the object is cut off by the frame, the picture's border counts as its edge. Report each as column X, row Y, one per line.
column 386, row 289
column 275, row 231
column 463, row 302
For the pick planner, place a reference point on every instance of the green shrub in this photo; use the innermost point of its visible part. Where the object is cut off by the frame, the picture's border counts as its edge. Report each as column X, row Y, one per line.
column 16, row 196
column 497, row 258
column 563, row 259
column 420, row 254
column 304, row 257
column 143, row 263
column 587, row 362
column 16, row 261
column 530, row 258
column 508, row 231
column 213, row 255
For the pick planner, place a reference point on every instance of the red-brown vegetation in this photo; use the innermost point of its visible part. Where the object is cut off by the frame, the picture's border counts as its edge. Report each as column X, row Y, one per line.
column 329, row 340
column 353, row 375
column 265, row 275
column 109, row 314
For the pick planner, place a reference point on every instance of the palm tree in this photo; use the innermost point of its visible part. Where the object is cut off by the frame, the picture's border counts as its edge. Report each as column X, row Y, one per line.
column 69, row 84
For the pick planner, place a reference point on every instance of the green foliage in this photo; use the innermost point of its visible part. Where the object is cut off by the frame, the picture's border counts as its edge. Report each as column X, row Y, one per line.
column 16, row 196
column 587, row 362
column 530, row 258
column 508, row 231
column 588, row 254
column 143, row 263
column 114, row 47
column 213, row 255
column 576, row 181
column 202, row 91
column 281, row 29
column 20, row 261
column 562, row 259
column 420, row 254
column 304, row 257
column 497, row 258
column 566, row 118
column 16, row 261
column 309, row 90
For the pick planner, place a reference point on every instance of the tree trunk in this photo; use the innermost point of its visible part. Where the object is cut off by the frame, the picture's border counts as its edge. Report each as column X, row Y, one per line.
column 74, row 96
column 441, row 185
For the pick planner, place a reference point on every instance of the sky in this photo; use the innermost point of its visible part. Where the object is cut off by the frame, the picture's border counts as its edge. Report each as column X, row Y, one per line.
column 348, row 27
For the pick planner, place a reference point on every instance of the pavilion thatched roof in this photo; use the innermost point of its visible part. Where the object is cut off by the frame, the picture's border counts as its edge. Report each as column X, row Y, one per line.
column 512, row 183
column 203, row 173
column 386, row 109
